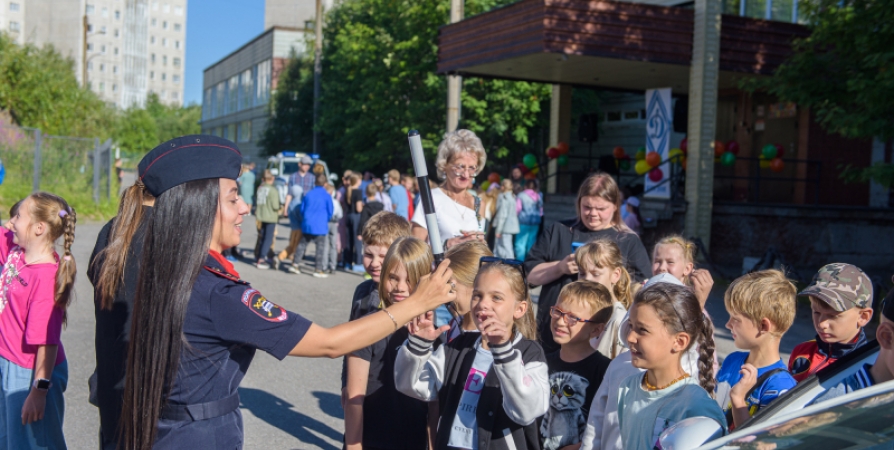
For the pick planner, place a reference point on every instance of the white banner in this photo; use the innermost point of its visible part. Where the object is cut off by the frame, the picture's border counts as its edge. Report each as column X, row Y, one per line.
column 659, row 125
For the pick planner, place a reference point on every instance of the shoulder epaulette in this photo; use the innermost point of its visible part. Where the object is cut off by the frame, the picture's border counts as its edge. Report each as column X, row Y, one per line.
column 226, row 275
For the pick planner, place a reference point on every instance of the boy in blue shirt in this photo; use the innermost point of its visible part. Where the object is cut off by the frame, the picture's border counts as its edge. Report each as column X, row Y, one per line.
column 761, row 306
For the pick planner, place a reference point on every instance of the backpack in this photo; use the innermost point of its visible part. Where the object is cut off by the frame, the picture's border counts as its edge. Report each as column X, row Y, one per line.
column 757, row 384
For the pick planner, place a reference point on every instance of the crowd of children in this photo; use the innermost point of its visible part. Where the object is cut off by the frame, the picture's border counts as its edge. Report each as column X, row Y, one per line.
column 633, row 358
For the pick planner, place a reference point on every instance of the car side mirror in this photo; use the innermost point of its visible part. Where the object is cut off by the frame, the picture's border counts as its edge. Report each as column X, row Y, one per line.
column 690, row 433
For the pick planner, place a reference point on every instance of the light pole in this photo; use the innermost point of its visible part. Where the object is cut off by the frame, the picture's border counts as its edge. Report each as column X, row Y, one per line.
column 318, row 72
column 454, row 82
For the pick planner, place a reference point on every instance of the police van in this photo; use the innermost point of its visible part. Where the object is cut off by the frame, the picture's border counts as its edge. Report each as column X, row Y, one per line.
column 284, row 164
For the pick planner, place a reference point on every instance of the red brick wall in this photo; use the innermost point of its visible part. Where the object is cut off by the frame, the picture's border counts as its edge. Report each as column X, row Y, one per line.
column 279, row 66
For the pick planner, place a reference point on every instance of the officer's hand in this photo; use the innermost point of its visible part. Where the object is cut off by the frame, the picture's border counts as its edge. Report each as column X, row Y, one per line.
column 435, row 289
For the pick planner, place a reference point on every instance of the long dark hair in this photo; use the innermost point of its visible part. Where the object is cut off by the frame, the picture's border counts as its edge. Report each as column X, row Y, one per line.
column 114, row 256
column 679, row 310
column 177, row 241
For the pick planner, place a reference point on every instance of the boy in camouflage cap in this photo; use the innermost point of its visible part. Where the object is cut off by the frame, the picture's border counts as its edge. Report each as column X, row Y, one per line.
column 841, row 302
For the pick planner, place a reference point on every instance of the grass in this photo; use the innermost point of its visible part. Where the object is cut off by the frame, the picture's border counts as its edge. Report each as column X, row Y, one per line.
column 66, row 170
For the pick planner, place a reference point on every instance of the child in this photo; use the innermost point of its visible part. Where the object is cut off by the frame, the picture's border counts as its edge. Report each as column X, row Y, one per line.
column 464, row 262
column 376, row 415
column 883, row 369
column 372, row 206
column 529, row 205
column 601, row 261
column 267, row 215
column 676, row 256
column 632, row 218
column 665, row 322
column 35, row 290
column 841, row 301
column 492, row 386
column 505, row 221
column 576, row 370
column 761, row 308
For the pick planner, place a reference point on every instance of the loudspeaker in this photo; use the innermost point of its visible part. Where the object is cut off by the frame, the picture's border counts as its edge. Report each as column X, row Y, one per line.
column 588, row 128
column 681, row 114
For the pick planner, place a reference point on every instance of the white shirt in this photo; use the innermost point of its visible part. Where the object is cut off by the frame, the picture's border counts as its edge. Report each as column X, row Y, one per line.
column 453, row 218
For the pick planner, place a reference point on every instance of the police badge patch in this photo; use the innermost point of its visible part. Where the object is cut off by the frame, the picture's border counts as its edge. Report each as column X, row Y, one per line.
column 266, row 309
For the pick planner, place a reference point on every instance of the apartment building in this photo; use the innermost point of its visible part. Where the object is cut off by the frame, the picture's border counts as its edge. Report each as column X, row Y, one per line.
column 12, row 19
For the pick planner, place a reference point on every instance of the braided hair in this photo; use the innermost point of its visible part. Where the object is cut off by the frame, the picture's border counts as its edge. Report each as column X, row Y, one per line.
column 60, row 219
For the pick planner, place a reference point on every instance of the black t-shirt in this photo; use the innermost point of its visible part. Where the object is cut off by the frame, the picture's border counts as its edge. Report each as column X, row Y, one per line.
column 390, row 419
column 572, row 388
column 555, row 243
column 355, row 197
column 365, row 301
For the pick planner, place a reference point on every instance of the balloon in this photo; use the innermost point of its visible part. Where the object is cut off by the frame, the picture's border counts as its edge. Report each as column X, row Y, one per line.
column 728, row 159
column 563, row 148
column 769, row 151
column 684, row 145
column 641, row 167
column 656, row 175
column 524, row 169
column 780, row 150
column 484, row 185
column 562, row 160
column 618, row 152
column 530, row 176
column 552, row 153
column 493, row 177
column 777, row 164
column 530, row 161
column 624, row 164
column 764, row 162
column 732, row 147
column 653, row 159
column 640, row 154
column 719, row 148
column 675, row 155
column 535, row 170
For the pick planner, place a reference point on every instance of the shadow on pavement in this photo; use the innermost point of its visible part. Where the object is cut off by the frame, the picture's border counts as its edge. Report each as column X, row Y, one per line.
column 330, row 404
column 279, row 413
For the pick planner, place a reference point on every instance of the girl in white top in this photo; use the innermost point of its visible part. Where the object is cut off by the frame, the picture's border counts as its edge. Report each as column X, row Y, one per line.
column 601, row 261
column 461, row 157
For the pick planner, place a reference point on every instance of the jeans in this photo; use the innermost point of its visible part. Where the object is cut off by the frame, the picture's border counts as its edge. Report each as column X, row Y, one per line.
column 524, row 240
column 330, row 254
column 353, row 253
column 15, row 385
column 319, row 241
column 503, row 247
column 265, row 240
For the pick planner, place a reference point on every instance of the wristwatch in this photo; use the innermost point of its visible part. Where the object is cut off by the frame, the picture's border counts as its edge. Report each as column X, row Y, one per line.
column 42, row 384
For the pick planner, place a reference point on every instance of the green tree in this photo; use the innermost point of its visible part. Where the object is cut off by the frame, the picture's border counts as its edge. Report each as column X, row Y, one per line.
column 843, row 71
column 173, row 121
column 379, row 81
column 136, row 132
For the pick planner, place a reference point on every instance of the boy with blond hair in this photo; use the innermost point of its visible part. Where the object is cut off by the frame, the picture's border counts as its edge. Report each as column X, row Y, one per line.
column 841, row 302
column 761, row 307
column 575, row 370
column 380, row 231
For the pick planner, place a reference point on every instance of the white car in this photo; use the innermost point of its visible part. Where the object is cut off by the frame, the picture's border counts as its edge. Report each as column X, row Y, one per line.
column 284, row 164
column 702, row 432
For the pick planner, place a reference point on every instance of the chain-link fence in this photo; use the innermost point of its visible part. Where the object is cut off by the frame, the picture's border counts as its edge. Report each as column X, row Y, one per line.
column 75, row 168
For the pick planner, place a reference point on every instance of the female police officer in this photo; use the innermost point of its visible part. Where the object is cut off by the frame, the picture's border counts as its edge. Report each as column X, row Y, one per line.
column 196, row 325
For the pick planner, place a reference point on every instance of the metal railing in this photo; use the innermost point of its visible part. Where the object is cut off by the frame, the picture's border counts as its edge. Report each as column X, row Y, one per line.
column 758, row 176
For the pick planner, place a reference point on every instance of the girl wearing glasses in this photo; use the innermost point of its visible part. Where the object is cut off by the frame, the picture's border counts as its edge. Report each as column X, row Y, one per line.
column 491, row 387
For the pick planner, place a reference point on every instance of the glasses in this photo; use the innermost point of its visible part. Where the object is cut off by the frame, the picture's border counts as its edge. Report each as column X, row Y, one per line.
column 516, row 264
column 570, row 319
column 459, row 169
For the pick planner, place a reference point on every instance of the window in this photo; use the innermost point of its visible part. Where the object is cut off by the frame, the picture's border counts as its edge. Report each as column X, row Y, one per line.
column 177, row 45
column 178, row 10
column 221, row 98
column 152, row 58
column 176, row 27
column 151, row 74
column 174, row 95
column 206, row 106
column 102, row 29
column 164, row 77
column 233, row 94
column 14, row 26
column 162, row 94
column 116, row 51
column 152, row 39
column 89, row 65
column 262, row 86
column 102, row 67
column 105, row 12
column 153, row 22
column 102, row 49
column 230, row 131
column 631, row 115
column 166, row 8
column 117, row 15
column 245, row 94
column 89, row 9
column 613, row 116
column 155, row 6
column 164, row 42
column 89, row 28
column 116, row 32
column 164, row 60
column 176, row 62
column 175, row 79
column 243, row 132
column 164, row 24
column 114, row 69
column 102, row 86
column 89, row 46
column 114, row 87
column 13, row 6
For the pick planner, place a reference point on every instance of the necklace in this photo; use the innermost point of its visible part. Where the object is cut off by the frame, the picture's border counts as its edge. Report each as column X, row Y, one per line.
column 456, row 204
column 650, row 387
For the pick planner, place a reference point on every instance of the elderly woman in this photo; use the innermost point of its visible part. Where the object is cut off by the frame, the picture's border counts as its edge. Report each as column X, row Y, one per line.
column 460, row 158
column 551, row 263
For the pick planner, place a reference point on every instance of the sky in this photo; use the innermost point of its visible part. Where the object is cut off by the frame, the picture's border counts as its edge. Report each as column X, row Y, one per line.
column 214, row 29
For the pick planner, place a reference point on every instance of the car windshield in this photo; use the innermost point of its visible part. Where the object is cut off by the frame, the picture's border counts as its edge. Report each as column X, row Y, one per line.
column 289, row 167
column 867, row 423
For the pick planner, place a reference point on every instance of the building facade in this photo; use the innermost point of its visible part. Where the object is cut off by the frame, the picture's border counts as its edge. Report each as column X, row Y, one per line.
column 237, row 89
column 126, row 49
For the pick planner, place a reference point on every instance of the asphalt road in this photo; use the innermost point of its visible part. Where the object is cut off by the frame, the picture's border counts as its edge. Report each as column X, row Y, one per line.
column 290, row 404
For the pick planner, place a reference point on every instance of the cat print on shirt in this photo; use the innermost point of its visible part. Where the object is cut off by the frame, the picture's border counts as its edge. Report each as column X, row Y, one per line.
column 564, row 422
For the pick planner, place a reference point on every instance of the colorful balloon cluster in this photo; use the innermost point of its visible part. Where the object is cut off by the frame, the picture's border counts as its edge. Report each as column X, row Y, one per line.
column 559, row 153
column 771, row 157
column 492, row 178
column 726, row 152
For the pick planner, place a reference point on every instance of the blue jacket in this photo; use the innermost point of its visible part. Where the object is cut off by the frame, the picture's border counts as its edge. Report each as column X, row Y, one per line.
column 316, row 208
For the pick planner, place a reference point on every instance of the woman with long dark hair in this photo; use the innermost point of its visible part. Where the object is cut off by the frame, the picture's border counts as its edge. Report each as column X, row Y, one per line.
column 114, row 267
column 196, row 325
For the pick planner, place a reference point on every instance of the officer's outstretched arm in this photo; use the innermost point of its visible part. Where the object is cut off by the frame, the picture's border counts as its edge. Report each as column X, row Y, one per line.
column 433, row 290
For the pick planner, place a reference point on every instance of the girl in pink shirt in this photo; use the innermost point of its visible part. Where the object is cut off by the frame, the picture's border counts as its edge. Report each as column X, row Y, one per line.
column 35, row 289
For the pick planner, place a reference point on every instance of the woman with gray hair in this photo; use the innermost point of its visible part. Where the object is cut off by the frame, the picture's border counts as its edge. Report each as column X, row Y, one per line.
column 460, row 158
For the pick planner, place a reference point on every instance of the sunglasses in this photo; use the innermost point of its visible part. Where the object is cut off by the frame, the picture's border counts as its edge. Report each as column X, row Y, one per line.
column 514, row 263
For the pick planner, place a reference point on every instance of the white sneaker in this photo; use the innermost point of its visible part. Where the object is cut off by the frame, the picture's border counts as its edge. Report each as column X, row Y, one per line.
column 320, row 275
column 294, row 268
column 262, row 265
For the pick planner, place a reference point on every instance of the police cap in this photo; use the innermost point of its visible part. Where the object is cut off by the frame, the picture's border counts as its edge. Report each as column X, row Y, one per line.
column 188, row 158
